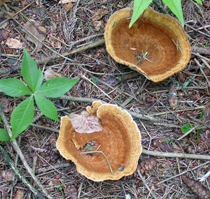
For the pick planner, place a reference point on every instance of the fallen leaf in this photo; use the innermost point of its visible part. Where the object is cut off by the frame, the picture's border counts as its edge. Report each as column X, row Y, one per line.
column 97, row 25
column 49, row 74
column 86, row 123
column 19, row 195
column 7, row 175
column 99, row 14
column 5, row 104
column 28, row 26
column 13, row 43
column 68, row 6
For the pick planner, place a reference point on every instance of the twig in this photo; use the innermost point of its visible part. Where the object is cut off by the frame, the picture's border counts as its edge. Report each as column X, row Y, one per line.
column 188, row 132
column 184, row 172
column 44, row 127
column 197, row 30
column 101, row 152
column 91, row 100
column 145, row 184
column 18, row 151
column 16, row 13
column 17, row 172
column 205, row 177
column 174, row 155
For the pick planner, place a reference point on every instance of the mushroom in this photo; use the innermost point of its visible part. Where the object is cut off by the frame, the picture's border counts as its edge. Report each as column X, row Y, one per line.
column 108, row 154
column 156, row 45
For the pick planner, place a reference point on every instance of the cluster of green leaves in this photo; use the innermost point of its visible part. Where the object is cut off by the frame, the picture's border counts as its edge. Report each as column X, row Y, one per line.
column 174, row 5
column 23, row 114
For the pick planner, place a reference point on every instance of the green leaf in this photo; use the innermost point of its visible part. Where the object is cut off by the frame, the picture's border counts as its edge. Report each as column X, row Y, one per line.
column 187, row 82
column 199, row 1
column 56, row 87
column 29, row 71
column 39, row 79
column 22, row 116
column 14, row 87
column 198, row 134
column 202, row 113
column 138, row 8
column 176, row 8
column 187, row 127
column 4, row 136
column 46, row 107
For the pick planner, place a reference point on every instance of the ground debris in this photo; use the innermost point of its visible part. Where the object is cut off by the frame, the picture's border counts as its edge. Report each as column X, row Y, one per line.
column 196, row 187
column 147, row 165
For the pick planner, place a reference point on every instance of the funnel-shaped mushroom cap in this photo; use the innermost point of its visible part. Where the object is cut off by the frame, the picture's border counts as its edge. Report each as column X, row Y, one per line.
column 119, row 140
column 156, row 45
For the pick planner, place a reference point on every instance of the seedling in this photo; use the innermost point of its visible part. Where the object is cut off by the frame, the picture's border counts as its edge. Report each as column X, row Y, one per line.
column 174, row 5
column 32, row 86
column 141, row 57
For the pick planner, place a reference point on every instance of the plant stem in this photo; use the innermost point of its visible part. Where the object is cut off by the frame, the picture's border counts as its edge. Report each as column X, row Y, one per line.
column 101, row 152
column 17, row 172
column 19, row 152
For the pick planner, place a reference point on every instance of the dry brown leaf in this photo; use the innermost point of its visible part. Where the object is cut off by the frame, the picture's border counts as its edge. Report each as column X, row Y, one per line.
column 14, row 43
column 19, row 195
column 7, row 175
column 97, row 25
column 86, row 123
column 68, row 6
column 42, row 28
column 49, row 74
column 5, row 104
column 28, row 26
column 99, row 14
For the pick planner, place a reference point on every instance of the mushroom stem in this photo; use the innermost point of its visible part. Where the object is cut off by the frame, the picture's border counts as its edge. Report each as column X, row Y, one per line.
column 101, row 152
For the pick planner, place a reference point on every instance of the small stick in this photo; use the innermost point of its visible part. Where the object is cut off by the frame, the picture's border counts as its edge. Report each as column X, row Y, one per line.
column 101, row 152
column 145, row 184
column 19, row 152
column 188, row 132
column 184, row 172
column 174, row 155
column 17, row 172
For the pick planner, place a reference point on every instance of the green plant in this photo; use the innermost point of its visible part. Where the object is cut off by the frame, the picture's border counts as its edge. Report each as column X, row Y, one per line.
column 174, row 5
column 188, row 127
column 23, row 114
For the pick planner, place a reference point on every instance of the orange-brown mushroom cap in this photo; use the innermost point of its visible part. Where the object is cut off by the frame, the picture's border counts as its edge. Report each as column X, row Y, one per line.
column 156, row 45
column 119, row 140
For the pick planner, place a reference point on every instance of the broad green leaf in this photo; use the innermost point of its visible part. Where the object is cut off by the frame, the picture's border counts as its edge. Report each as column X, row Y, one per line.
column 29, row 71
column 176, row 8
column 22, row 116
column 56, row 87
column 39, row 79
column 4, row 136
column 187, row 127
column 14, row 87
column 138, row 8
column 46, row 107
column 199, row 1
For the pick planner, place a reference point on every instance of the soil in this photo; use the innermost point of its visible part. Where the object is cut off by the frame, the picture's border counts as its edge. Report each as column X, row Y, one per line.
column 162, row 111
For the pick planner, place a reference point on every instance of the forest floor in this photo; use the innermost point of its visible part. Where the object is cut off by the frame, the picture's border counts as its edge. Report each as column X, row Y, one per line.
column 159, row 116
